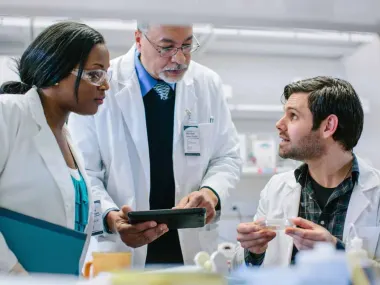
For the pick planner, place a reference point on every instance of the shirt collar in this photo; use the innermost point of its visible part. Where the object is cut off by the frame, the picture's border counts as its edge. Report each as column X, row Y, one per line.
column 147, row 82
column 301, row 172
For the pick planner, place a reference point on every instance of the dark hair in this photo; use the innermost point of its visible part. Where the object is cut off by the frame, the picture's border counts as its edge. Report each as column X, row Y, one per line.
column 53, row 55
column 328, row 96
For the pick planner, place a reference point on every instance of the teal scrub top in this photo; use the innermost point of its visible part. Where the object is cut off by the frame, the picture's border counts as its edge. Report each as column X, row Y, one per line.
column 81, row 202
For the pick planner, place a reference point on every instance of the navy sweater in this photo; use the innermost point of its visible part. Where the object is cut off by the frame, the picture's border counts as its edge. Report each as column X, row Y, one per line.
column 160, row 123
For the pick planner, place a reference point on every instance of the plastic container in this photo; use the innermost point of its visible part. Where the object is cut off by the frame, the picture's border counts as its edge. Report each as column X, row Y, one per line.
column 276, row 224
column 355, row 252
column 358, row 259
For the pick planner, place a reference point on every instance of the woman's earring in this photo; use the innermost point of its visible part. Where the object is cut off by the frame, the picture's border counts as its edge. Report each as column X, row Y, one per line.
column 56, row 84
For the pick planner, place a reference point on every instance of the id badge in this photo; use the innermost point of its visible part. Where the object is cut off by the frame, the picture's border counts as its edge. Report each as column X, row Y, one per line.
column 98, row 219
column 191, row 136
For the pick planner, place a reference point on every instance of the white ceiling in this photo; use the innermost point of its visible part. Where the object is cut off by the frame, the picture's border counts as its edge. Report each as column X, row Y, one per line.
column 16, row 34
column 270, row 27
column 343, row 15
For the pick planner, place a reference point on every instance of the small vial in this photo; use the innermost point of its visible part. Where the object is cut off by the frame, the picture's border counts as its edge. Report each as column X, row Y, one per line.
column 276, row 224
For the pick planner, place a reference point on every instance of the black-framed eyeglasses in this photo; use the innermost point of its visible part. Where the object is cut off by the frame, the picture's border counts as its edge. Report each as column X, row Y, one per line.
column 172, row 51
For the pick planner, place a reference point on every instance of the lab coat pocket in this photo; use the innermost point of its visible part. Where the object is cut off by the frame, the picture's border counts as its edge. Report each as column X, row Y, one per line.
column 370, row 236
column 206, row 142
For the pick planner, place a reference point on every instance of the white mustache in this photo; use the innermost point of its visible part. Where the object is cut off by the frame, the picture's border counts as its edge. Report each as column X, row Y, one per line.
column 178, row 67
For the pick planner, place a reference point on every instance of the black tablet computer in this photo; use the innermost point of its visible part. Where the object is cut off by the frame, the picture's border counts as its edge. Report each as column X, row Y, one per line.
column 173, row 218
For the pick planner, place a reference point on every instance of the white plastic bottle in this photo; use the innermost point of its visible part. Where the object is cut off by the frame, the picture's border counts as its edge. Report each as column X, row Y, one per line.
column 355, row 253
column 357, row 259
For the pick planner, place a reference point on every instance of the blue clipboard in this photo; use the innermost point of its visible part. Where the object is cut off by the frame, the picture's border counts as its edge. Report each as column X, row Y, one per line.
column 41, row 246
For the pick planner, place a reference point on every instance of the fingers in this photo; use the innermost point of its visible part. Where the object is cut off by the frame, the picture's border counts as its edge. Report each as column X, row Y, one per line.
column 257, row 246
column 211, row 213
column 263, row 234
column 210, row 210
column 152, row 234
column 126, row 209
column 194, row 201
column 135, row 240
column 198, row 200
column 302, row 223
column 305, row 234
column 305, row 239
column 141, row 227
column 128, row 228
column 246, row 228
column 253, row 237
column 259, row 243
column 182, row 203
column 294, row 231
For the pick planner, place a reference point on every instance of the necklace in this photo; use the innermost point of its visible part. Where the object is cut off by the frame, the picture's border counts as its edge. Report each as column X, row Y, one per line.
column 345, row 177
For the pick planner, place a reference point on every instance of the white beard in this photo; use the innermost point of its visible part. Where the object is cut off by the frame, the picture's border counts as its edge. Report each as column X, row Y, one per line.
column 169, row 80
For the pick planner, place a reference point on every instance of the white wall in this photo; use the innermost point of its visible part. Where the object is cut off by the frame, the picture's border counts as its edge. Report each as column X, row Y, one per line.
column 363, row 71
column 260, row 79
column 7, row 67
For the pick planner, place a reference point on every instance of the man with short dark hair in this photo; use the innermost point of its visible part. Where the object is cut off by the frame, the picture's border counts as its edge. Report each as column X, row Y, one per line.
column 332, row 192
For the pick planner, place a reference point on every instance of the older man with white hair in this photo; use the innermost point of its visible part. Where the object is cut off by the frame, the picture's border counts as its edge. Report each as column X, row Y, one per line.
column 137, row 153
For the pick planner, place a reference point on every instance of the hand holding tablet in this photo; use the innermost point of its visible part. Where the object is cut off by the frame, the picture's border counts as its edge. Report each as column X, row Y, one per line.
column 173, row 218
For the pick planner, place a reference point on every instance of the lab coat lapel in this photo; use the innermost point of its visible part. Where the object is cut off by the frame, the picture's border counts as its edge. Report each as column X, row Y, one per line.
column 359, row 201
column 48, row 148
column 131, row 104
column 185, row 101
column 287, row 197
column 290, row 204
column 292, row 194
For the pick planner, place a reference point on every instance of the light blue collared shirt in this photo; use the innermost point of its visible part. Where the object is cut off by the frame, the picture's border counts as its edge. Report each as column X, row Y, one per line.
column 147, row 82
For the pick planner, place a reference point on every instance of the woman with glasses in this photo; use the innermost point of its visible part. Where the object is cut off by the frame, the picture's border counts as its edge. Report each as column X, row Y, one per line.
column 63, row 71
column 173, row 145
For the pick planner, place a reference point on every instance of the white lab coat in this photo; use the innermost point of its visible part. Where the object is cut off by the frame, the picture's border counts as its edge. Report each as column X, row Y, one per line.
column 282, row 193
column 116, row 153
column 34, row 177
